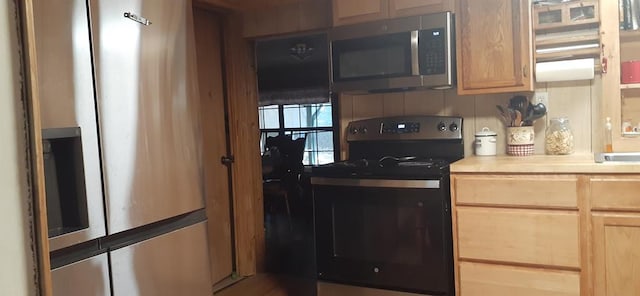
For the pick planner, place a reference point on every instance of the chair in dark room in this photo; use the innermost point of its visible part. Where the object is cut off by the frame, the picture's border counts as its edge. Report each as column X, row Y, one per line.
column 282, row 166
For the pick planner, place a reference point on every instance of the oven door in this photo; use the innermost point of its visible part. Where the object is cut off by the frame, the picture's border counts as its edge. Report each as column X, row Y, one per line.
column 390, row 234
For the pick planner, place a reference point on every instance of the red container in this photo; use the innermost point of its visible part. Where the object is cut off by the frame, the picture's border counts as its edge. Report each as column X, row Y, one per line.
column 630, row 72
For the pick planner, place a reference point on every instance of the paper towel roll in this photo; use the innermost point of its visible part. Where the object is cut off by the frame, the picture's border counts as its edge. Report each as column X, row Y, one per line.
column 581, row 69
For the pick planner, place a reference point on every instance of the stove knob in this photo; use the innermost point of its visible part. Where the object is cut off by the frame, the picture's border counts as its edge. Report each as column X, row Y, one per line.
column 363, row 129
column 442, row 127
column 354, row 130
column 453, row 127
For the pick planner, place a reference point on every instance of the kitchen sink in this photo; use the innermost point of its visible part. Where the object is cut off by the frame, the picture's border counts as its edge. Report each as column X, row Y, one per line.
column 617, row 157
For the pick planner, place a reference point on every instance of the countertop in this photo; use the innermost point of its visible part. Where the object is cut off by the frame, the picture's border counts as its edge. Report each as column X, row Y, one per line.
column 569, row 164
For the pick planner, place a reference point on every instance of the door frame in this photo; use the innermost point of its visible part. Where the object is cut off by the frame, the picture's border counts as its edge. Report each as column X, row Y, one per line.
column 244, row 131
column 241, row 93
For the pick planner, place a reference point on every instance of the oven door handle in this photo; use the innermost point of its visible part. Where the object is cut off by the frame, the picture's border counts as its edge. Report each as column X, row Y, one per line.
column 379, row 183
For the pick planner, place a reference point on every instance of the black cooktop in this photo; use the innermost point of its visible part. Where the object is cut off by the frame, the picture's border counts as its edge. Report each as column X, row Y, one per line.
column 403, row 147
column 385, row 167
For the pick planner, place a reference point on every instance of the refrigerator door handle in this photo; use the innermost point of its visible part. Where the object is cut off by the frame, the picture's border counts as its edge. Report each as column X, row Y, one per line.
column 137, row 18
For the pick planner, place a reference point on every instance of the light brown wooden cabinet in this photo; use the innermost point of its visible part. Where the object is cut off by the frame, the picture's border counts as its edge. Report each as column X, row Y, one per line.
column 546, row 234
column 494, row 46
column 616, row 255
column 616, row 235
column 350, row 12
column 400, row 8
column 481, row 279
column 287, row 17
column 516, row 234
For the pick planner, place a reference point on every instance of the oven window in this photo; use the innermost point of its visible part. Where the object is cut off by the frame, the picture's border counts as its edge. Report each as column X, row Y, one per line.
column 372, row 57
column 380, row 233
column 384, row 237
column 391, row 225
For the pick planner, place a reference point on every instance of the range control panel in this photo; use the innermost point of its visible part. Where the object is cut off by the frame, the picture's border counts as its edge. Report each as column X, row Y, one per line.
column 405, row 128
column 401, row 127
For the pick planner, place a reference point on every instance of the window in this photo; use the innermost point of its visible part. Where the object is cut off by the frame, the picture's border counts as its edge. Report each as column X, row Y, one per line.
column 313, row 121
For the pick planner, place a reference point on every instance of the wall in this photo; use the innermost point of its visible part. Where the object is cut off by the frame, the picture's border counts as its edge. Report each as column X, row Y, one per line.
column 16, row 270
column 577, row 100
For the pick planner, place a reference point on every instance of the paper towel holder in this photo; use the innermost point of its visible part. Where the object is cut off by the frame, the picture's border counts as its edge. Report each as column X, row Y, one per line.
column 565, row 70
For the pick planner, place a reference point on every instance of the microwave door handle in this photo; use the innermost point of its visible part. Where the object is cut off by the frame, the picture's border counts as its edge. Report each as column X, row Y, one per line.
column 415, row 63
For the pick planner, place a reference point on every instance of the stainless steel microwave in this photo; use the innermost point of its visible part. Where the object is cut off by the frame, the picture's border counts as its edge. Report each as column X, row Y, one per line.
column 405, row 53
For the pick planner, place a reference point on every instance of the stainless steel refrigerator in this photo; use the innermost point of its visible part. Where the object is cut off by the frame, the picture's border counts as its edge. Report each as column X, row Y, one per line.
column 122, row 148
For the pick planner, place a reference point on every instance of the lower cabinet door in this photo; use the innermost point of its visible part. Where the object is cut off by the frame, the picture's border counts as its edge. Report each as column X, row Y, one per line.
column 616, row 246
column 175, row 263
column 82, row 278
column 479, row 279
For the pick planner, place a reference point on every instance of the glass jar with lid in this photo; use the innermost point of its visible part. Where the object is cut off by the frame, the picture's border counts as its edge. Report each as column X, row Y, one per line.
column 558, row 137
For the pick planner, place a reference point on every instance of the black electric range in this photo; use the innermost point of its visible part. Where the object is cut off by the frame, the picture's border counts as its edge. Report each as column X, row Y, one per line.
column 382, row 217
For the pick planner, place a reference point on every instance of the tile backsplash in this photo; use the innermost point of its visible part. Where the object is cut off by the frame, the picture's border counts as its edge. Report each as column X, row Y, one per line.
column 579, row 101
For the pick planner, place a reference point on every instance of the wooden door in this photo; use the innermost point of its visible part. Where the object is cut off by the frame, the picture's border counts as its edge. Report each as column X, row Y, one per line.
column 493, row 46
column 400, row 8
column 616, row 241
column 350, row 12
column 208, row 30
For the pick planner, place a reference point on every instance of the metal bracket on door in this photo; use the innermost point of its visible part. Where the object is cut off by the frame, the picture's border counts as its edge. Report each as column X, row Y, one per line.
column 227, row 160
column 136, row 18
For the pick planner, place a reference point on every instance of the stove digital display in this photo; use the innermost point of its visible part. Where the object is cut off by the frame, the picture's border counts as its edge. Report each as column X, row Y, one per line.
column 401, row 127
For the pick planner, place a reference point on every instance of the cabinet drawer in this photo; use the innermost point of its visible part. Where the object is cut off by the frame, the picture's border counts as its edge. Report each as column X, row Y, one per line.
column 488, row 279
column 538, row 191
column 549, row 238
column 615, row 193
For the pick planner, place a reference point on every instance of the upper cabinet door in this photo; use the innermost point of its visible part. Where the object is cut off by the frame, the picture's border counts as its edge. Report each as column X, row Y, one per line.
column 400, row 8
column 493, row 40
column 350, row 12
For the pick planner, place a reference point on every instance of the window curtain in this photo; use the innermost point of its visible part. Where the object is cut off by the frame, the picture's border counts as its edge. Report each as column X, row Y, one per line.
column 316, row 95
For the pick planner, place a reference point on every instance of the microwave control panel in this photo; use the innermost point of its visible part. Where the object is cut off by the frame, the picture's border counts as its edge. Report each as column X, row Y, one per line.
column 432, row 48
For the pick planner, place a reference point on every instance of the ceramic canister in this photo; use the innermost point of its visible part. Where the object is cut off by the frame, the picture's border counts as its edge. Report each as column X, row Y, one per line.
column 485, row 142
column 630, row 72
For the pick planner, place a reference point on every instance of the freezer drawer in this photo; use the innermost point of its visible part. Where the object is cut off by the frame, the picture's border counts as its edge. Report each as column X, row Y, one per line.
column 175, row 263
column 82, row 278
column 148, row 110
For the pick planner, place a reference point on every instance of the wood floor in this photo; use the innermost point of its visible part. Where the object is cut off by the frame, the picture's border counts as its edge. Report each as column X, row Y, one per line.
column 269, row 285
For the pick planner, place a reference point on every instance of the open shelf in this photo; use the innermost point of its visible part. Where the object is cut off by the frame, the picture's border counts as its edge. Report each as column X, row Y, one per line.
column 630, row 86
column 629, row 35
column 568, row 54
column 631, row 134
column 559, row 40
